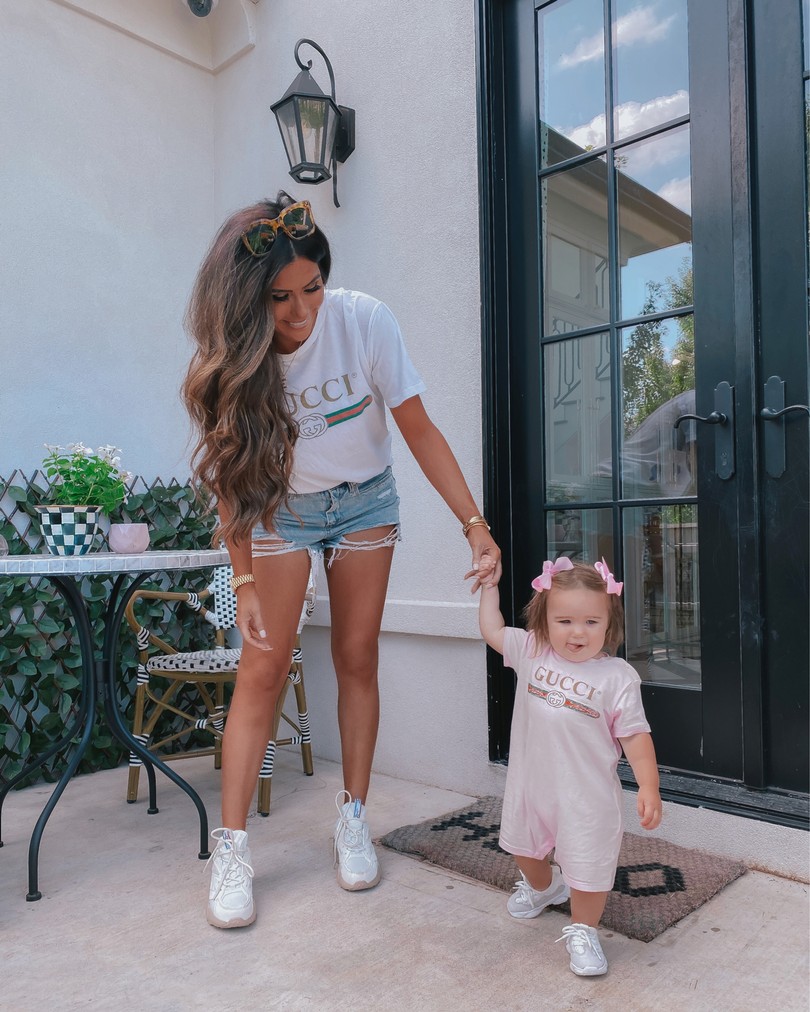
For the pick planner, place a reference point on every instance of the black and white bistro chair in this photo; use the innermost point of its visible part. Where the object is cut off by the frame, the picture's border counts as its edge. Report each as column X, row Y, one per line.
column 165, row 676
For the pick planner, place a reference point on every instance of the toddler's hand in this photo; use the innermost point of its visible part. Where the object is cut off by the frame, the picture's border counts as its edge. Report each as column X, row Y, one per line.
column 650, row 808
column 483, row 574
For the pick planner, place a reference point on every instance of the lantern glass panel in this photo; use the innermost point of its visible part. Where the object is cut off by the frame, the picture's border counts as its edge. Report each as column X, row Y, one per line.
column 318, row 119
column 285, row 114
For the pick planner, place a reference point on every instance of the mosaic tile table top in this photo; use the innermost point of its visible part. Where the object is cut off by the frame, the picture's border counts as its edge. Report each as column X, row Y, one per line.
column 110, row 562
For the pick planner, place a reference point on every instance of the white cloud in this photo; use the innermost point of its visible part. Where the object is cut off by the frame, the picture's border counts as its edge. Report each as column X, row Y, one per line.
column 640, row 25
column 678, row 192
column 588, row 135
column 584, row 52
column 633, row 117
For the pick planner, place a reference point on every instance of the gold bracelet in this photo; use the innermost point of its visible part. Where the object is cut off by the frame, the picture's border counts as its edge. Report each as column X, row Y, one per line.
column 475, row 521
column 240, row 581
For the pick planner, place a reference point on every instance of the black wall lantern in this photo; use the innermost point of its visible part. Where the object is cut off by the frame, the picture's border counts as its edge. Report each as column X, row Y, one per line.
column 316, row 131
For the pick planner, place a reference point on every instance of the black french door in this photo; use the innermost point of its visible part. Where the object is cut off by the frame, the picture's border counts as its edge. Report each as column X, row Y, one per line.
column 645, row 229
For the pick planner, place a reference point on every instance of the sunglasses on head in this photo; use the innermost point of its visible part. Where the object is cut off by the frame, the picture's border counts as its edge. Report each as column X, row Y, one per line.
column 295, row 221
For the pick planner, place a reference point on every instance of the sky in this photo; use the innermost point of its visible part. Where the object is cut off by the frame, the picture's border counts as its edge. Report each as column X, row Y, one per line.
column 650, row 87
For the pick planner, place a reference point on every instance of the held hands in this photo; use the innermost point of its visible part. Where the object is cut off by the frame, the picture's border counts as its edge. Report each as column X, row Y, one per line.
column 486, row 559
column 249, row 618
column 650, row 808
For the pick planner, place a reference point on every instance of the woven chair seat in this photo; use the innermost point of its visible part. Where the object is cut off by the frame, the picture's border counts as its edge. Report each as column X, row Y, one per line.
column 210, row 661
column 190, row 690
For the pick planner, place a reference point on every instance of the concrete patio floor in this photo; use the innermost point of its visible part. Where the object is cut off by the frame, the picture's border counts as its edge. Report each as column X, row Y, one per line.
column 121, row 925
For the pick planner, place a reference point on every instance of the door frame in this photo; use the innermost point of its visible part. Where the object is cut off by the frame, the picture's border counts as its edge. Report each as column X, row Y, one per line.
column 509, row 208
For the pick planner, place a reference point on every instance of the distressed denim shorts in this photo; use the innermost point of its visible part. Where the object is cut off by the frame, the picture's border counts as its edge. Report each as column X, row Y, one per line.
column 325, row 518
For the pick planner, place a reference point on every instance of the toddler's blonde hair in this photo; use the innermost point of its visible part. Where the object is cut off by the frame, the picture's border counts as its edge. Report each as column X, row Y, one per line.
column 586, row 577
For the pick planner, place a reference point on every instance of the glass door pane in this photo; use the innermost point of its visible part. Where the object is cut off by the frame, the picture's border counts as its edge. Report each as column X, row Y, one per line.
column 571, row 78
column 662, row 601
column 650, row 65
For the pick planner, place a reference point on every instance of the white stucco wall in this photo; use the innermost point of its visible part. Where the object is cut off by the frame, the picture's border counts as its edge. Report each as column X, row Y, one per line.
column 106, row 177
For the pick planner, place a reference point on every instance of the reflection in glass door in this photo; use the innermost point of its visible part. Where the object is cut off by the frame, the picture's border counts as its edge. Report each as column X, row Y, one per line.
column 618, row 336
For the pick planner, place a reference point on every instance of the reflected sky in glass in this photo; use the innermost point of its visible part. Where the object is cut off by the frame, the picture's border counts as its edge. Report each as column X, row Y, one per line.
column 651, row 75
column 650, row 64
column 571, row 77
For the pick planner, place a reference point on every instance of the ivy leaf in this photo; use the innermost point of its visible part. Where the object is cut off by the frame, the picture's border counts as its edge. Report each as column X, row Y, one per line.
column 66, row 681
column 48, row 625
column 65, row 704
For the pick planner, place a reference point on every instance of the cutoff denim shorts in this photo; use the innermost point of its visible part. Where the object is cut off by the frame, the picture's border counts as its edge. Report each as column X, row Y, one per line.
column 325, row 518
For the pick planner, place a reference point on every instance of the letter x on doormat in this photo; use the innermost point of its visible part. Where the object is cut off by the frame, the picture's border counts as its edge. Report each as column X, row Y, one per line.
column 657, row 883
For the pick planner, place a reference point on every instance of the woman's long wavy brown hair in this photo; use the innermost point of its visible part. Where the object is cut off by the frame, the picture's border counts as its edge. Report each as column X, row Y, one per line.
column 243, row 430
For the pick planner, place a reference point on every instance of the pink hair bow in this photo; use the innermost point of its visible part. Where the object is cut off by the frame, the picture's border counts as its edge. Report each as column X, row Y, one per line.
column 612, row 586
column 550, row 569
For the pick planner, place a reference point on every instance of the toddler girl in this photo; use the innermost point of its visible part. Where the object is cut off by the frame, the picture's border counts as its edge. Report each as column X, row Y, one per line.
column 576, row 708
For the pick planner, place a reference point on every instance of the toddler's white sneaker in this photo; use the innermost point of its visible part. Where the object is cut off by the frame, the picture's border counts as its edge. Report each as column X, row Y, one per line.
column 582, row 942
column 526, row 901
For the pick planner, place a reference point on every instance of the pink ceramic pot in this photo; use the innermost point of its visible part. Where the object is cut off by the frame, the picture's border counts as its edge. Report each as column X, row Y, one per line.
column 128, row 539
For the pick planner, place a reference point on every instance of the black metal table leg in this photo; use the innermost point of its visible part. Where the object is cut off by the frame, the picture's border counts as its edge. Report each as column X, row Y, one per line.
column 76, row 605
column 32, row 764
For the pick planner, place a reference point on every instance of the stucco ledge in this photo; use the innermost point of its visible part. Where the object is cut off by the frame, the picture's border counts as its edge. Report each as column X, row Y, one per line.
column 457, row 620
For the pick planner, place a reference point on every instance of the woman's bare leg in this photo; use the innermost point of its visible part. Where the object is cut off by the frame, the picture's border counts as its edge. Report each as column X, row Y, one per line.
column 358, row 581
column 281, row 582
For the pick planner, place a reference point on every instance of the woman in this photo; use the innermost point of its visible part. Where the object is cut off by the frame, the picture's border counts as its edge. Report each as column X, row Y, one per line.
column 287, row 390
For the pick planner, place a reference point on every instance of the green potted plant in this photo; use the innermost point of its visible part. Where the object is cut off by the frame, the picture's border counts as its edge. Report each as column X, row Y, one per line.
column 84, row 484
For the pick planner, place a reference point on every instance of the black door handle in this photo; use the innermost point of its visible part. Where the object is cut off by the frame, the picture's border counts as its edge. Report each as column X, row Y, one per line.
column 713, row 418
column 769, row 414
column 773, row 436
column 723, row 418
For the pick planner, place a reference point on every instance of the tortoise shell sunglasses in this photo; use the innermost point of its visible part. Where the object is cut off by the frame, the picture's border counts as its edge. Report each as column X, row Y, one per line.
column 295, row 221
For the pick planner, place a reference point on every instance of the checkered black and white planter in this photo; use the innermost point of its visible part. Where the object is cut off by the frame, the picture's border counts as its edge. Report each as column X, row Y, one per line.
column 69, row 530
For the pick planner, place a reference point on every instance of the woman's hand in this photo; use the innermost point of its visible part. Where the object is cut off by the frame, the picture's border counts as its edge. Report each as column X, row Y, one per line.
column 486, row 559
column 249, row 620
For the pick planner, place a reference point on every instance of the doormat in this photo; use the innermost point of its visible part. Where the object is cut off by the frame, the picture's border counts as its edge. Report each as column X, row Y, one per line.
column 657, row 883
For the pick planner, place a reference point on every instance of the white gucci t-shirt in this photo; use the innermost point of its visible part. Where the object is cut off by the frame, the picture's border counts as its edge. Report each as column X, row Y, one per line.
column 338, row 384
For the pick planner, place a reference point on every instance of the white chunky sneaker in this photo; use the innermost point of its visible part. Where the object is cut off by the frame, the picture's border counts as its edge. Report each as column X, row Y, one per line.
column 230, row 898
column 355, row 859
column 526, row 901
column 582, row 942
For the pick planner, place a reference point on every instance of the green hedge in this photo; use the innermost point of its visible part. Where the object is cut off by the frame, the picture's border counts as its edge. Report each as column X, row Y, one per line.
column 40, row 666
